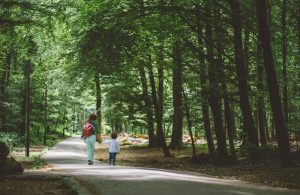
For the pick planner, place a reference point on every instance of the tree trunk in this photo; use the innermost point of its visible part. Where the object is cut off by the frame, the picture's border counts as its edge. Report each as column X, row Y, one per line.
column 233, row 119
column 158, row 113
column 176, row 141
column 27, row 107
column 148, row 107
column 189, row 122
column 284, row 58
column 246, row 48
column 280, row 125
column 268, row 136
column 241, row 71
column 98, row 105
column 160, row 73
column 64, row 122
column 160, row 94
column 203, row 82
column 229, row 118
column 298, row 24
column 215, row 105
column 272, row 127
column 229, row 123
column 214, row 99
column 260, row 99
column 221, row 78
column 146, row 96
column 45, row 113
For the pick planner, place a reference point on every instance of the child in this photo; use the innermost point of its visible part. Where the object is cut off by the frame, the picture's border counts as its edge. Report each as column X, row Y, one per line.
column 114, row 149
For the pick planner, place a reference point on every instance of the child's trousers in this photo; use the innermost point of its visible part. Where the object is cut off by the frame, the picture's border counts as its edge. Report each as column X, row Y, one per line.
column 112, row 158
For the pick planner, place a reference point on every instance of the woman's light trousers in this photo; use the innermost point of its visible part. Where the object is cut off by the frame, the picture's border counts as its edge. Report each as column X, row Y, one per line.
column 90, row 146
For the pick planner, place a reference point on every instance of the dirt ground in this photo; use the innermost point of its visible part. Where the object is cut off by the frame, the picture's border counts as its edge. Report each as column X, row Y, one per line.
column 28, row 185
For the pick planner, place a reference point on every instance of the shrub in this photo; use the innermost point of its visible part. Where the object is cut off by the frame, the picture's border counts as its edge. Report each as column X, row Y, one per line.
column 12, row 139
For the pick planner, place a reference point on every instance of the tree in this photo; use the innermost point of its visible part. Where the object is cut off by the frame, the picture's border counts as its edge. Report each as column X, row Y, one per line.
column 176, row 142
column 275, row 100
column 148, row 106
column 146, row 97
column 214, row 98
column 284, row 59
column 260, row 99
column 158, row 112
column 241, row 71
column 203, row 82
column 98, row 104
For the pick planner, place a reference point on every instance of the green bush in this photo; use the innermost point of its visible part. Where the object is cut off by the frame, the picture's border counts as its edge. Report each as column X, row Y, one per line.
column 32, row 162
column 12, row 139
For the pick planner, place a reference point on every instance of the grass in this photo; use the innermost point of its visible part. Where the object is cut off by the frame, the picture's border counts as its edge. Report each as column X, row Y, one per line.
column 33, row 162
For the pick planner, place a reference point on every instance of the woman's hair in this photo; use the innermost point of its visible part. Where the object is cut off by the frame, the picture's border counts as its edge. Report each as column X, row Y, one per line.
column 92, row 117
column 114, row 135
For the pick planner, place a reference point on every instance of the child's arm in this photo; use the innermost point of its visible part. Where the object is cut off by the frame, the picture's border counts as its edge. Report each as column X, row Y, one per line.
column 106, row 141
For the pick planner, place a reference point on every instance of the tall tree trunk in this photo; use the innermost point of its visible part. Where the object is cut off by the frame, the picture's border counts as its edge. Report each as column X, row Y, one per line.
column 148, row 107
column 280, row 125
column 176, row 142
column 160, row 94
column 223, row 89
column 227, row 109
column 45, row 113
column 241, row 71
column 284, row 58
column 98, row 105
column 272, row 127
column 27, row 106
column 246, row 53
column 268, row 136
column 75, row 118
column 298, row 24
column 146, row 96
column 189, row 122
column 246, row 48
column 160, row 73
column 21, row 125
column 64, row 122
column 229, row 123
column 298, row 33
column 260, row 99
column 203, row 82
column 214, row 99
column 158, row 113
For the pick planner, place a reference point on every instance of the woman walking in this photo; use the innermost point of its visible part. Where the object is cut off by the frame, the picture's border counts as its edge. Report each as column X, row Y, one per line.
column 90, row 137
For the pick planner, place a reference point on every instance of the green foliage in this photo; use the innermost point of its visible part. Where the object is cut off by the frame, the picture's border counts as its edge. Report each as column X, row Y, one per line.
column 12, row 139
column 32, row 162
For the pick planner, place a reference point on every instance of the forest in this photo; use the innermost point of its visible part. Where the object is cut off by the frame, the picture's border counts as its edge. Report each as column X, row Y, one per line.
column 224, row 71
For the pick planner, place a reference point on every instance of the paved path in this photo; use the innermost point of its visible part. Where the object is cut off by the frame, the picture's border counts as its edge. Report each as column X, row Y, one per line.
column 69, row 156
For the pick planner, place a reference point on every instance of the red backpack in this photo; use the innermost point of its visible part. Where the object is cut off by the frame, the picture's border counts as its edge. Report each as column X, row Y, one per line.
column 88, row 129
